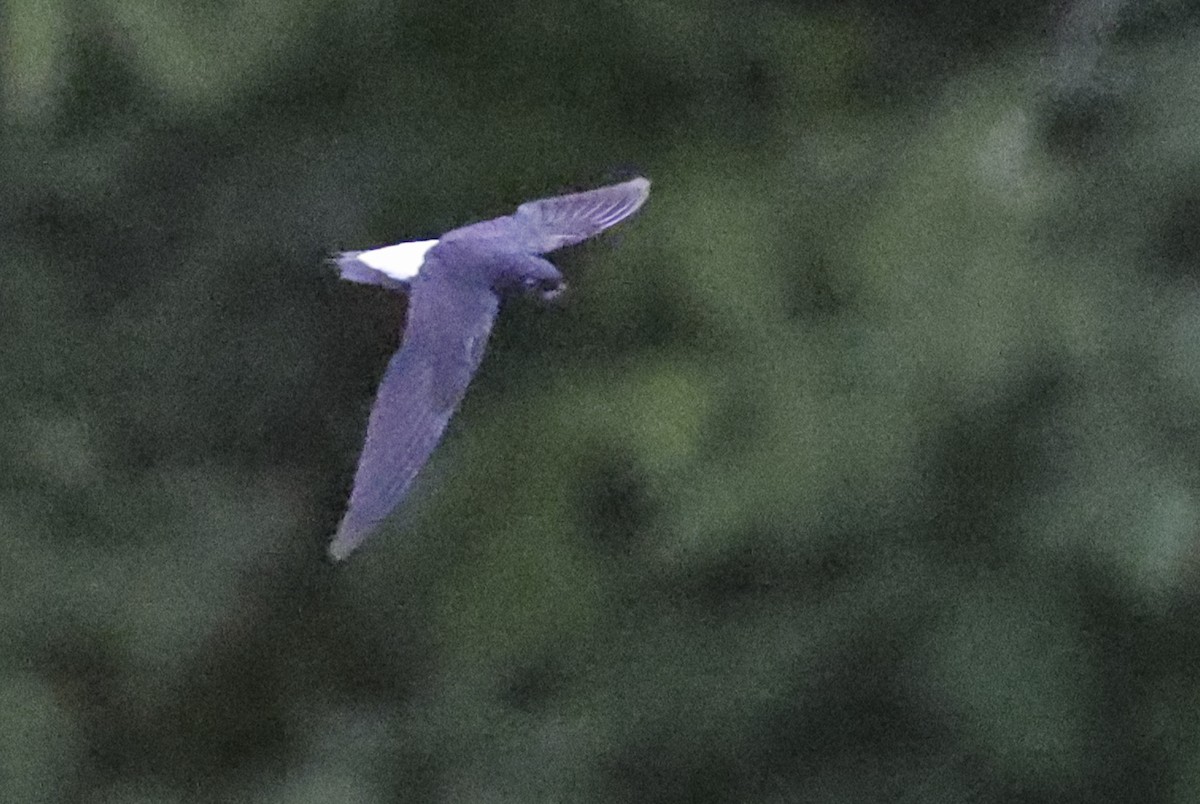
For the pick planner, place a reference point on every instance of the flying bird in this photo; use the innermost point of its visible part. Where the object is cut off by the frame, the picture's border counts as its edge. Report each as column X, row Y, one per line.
column 455, row 285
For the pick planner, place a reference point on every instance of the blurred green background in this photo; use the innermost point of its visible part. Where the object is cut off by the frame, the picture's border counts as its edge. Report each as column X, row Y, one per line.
column 862, row 466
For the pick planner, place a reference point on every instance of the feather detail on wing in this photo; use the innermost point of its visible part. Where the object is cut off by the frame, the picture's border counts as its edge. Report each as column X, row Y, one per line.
column 550, row 223
column 444, row 341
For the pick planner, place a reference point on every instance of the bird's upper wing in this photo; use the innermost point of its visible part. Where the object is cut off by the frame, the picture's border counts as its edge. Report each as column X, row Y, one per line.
column 549, row 223
column 444, row 340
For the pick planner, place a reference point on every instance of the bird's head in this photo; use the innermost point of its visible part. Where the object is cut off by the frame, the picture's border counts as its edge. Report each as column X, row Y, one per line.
column 545, row 288
column 530, row 276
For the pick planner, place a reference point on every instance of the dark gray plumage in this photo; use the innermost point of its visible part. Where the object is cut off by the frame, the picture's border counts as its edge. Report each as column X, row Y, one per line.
column 455, row 287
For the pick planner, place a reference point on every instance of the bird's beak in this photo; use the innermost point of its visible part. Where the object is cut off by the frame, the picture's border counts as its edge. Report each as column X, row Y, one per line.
column 554, row 292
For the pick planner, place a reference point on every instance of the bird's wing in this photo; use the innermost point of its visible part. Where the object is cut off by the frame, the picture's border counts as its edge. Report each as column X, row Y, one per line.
column 549, row 223
column 444, row 341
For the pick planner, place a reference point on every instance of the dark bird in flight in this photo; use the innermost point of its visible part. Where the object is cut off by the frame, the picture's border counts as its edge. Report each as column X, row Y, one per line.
column 455, row 286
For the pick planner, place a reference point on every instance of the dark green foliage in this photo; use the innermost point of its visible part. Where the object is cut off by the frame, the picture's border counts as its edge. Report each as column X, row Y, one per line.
column 863, row 465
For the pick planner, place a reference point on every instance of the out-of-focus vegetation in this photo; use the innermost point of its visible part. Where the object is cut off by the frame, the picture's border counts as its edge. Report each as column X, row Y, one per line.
column 864, row 465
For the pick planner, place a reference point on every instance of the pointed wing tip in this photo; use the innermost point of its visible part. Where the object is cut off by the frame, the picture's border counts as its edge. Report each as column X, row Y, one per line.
column 339, row 550
column 636, row 191
column 641, row 185
column 344, row 542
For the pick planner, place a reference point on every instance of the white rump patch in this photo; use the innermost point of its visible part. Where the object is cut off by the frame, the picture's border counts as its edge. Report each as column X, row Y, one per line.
column 401, row 261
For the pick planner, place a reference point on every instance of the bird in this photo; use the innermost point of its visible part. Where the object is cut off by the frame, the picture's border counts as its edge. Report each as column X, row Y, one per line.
column 455, row 285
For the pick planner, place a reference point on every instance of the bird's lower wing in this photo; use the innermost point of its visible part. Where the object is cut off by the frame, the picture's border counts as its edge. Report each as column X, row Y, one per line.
column 425, row 381
column 550, row 223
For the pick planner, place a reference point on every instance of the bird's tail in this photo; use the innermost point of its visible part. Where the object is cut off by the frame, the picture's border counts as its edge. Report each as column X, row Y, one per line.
column 350, row 268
